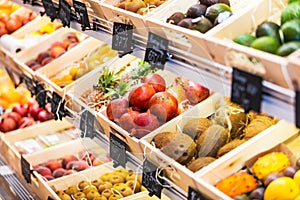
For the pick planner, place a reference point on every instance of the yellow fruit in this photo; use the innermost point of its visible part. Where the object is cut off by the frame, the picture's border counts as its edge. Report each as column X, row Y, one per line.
column 297, row 178
column 271, row 162
column 73, row 72
column 298, row 197
column 283, row 188
column 48, row 28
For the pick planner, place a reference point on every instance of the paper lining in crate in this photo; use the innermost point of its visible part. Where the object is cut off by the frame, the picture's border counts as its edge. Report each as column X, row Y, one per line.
column 191, row 41
column 282, row 137
column 113, row 13
column 11, row 142
column 271, row 67
column 63, row 160
column 63, row 74
column 209, row 127
column 93, row 180
column 63, row 41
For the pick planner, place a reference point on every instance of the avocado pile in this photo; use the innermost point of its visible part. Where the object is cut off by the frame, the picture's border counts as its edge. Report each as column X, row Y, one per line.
column 270, row 37
column 202, row 16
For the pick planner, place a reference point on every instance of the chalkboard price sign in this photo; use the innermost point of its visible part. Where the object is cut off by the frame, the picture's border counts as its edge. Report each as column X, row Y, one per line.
column 117, row 149
column 57, row 106
column 150, row 179
column 50, row 10
column 87, row 124
column 297, row 108
column 194, row 195
column 41, row 95
column 82, row 14
column 246, row 90
column 122, row 37
column 156, row 52
column 26, row 171
column 64, row 12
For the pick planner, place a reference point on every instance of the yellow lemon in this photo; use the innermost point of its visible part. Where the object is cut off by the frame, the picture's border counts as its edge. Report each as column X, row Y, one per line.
column 297, row 178
column 282, row 188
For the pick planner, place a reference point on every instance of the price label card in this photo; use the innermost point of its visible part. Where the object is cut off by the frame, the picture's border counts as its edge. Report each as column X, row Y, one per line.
column 156, row 52
column 41, row 95
column 50, row 10
column 87, row 124
column 150, row 179
column 194, row 195
column 56, row 104
column 246, row 90
column 297, row 108
column 117, row 149
column 30, row 84
column 26, row 171
column 81, row 13
column 64, row 12
column 122, row 37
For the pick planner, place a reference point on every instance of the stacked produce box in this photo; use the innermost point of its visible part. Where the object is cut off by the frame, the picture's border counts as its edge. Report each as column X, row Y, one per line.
column 196, row 136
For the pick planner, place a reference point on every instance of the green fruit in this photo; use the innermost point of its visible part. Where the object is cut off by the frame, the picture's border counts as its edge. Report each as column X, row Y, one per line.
column 266, row 43
column 291, row 1
column 292, row 11
column 288, row 48
column 291, row 30
column 213, row 11
column 268, row 29
column 203, row 25
column 244, row 39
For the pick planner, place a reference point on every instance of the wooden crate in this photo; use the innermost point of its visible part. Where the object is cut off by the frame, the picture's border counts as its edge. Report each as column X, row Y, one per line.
column 32, row 52
column 294, row 66
column 39, row 185
column 12, row 155
column 177, row 172
column 267, row 141
column 223, row 50
column 115, row 14
column 190, row 41
column 60, row 65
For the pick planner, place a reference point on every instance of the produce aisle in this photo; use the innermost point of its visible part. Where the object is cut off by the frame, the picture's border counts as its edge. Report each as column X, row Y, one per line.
column 160, row 100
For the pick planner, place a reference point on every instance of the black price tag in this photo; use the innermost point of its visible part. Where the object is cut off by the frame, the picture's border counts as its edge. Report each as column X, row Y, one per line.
column 30, row 84
column 297, row 108
column 49, row 198
column 41, row 95
column 26, row 171
column 195, row 195
column 50, row 10
column 81, row 14
column 64, row 12
column 57, row 106
column 122, row 37
column 246, row 90
column 150, row 179
column 117, row 150
column 87, row 124
column 156, row 52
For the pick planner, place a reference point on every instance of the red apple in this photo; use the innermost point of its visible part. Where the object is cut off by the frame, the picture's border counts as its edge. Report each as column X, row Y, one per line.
column 44, row 116
column 25, row 122
column 21, row 109
column 34, row 110
column 7, row 124
column 15, row 116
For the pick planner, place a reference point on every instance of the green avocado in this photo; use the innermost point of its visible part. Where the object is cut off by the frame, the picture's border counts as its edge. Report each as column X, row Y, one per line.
column 291, row 30
column 213, row 11
column 244, row 39
column 266, row 43
column 288, row 48
column 268, row 29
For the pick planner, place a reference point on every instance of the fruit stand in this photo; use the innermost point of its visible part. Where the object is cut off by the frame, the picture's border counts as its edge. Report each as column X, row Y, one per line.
column 150, row 99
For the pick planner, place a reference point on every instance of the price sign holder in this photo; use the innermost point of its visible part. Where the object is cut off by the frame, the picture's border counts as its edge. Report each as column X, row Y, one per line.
column 82, row 15
column 297, row 103
column 246, row 90
column 26, row 171
column 50, row 9
column 64, row 12
column 117, row 150
column 195, row 195
column 156, row 52
column 86, row 125
column 122, row 38
column 58, row 106
column 150, row 179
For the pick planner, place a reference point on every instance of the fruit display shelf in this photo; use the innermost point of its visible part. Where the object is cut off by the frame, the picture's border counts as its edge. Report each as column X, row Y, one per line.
column 244, row 158
column 176, row 146
column 271, row 67
column 12, row 146
column 185, row 36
